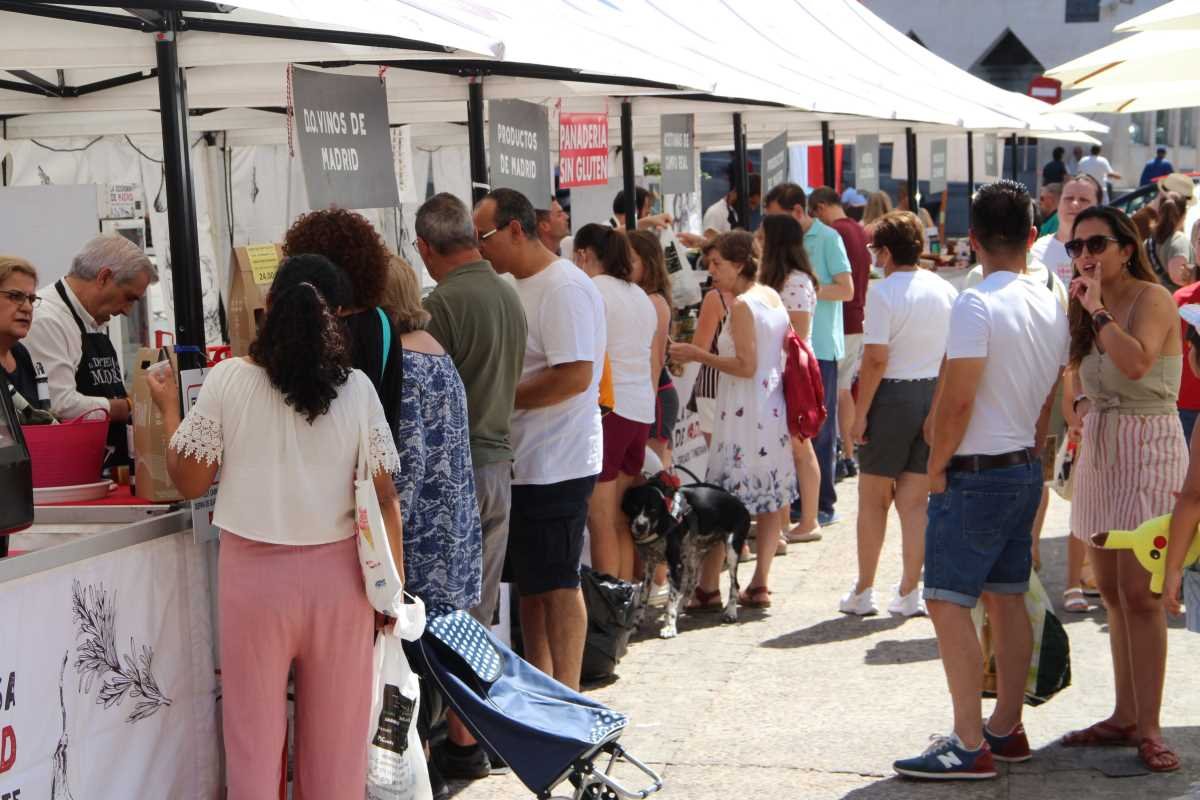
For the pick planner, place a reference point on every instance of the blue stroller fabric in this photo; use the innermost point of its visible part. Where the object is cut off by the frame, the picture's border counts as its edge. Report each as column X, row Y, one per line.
column 537, row 725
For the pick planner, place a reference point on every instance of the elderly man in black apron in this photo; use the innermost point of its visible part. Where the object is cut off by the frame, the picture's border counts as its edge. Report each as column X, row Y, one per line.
column 70, row 336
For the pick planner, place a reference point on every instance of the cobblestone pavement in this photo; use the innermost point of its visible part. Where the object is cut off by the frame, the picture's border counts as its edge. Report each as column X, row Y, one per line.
column 801, row 702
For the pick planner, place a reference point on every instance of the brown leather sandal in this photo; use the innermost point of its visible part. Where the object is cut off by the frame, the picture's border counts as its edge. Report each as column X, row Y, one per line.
column 755, row 597
column 705, row 602
column 1102, row 734
column 1157, row 756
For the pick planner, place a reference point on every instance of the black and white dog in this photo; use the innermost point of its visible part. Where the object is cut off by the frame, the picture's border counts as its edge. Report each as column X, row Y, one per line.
column 680, row 526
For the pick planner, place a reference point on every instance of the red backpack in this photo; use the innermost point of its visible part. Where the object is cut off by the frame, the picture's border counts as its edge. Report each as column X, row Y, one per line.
column 803, row 389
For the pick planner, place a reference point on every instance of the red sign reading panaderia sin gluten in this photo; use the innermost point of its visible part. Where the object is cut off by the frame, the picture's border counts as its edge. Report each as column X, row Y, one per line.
column 582, row 150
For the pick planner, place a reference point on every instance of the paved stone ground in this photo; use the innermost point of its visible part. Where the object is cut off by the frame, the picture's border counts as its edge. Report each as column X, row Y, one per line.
column 801, row 702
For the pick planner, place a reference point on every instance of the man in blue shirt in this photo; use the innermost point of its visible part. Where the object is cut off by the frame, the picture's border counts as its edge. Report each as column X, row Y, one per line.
column 827, row 254
column 1156, row 167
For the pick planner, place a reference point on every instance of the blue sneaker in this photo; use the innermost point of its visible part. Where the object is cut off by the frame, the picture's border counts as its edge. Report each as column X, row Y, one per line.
column 825, row 519
column 947, row 760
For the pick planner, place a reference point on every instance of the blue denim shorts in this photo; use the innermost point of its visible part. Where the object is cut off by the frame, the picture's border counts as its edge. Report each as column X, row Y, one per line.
column 980, row 534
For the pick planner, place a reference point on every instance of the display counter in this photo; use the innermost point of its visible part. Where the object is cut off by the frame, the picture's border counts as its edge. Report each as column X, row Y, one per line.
column 107, row 684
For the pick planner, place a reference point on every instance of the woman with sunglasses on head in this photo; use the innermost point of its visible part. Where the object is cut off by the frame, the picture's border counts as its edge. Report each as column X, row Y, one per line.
column 18, row 298
column 1126, row 354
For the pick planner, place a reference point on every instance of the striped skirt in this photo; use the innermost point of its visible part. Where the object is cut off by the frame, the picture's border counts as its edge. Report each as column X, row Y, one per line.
column 1128, row 471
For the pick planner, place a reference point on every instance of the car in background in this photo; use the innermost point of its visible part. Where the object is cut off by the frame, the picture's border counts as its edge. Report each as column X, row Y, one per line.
column 1132, row 201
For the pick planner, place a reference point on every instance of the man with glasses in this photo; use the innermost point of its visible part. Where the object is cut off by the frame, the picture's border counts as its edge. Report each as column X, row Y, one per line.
column 70, row 336
column 556, row 431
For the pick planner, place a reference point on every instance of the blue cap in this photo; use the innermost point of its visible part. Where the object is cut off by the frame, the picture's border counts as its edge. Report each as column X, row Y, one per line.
column 853, row 197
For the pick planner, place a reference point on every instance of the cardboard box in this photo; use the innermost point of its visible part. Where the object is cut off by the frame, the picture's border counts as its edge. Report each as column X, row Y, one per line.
column 253, row 269
column 150, row 434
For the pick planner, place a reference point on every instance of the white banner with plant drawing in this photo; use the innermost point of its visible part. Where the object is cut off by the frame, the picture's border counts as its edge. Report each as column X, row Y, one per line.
column 107, row 683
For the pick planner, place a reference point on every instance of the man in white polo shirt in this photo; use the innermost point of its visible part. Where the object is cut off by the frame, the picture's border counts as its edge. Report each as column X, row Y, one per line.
column 1007, row 346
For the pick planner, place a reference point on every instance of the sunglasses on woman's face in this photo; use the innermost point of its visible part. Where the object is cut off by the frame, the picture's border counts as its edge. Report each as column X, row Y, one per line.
column 1095, row 245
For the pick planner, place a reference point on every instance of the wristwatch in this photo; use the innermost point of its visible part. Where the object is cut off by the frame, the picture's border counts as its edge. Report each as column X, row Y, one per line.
column 1100, row 318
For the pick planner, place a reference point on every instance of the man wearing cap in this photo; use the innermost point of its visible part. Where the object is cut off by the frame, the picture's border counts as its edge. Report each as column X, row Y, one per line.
column 1156, row 167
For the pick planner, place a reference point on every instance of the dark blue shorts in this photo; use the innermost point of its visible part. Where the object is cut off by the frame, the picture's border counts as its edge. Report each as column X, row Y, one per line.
column 980, row 534
column 545, row 535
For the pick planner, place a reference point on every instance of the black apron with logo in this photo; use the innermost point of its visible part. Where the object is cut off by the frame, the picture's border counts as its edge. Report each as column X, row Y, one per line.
column 99, row 375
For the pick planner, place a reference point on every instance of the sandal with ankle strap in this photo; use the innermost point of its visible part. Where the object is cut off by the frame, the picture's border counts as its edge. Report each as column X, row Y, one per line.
column 705, row 602
column 1102, row 734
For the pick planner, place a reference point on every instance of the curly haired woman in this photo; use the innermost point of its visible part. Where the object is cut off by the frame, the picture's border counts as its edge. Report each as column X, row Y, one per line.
column 353, row 245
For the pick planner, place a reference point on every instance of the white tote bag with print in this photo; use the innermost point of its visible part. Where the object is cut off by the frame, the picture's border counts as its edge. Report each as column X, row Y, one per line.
column 396, row 768
column 385, row 590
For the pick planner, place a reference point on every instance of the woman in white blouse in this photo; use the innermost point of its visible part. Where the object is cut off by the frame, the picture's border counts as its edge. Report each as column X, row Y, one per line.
column 904, row 335
column 786, row 269
column 284, row 428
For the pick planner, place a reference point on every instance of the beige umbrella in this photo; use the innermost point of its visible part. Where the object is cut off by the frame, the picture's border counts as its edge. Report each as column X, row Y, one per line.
column 1133, row 98
column 1141, row 59
column 1174, row 16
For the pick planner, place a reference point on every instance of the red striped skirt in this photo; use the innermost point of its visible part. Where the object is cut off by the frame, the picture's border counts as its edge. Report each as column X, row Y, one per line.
column 1128, row 475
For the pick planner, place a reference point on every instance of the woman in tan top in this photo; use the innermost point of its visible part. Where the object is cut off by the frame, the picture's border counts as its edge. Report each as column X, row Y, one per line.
column 1126, row 350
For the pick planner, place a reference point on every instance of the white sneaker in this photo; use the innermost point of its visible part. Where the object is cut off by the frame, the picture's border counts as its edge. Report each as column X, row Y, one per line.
column 658, row 596
column 861, row 604
column 908, row 605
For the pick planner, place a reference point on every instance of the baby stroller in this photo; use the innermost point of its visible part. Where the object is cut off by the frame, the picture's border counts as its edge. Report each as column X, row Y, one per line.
column 546, row 732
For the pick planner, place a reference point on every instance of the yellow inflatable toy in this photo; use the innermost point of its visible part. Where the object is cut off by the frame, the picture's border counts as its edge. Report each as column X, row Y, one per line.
column 1149, row 544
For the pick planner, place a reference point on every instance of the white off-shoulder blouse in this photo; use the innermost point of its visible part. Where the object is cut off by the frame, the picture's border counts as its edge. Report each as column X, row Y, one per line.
column 282, row 480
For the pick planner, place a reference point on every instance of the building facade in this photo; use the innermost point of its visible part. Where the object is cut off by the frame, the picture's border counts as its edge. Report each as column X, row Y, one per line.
column 1009, row 42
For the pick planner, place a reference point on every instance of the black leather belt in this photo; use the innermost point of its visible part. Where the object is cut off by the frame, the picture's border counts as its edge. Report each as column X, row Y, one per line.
column 982, row 463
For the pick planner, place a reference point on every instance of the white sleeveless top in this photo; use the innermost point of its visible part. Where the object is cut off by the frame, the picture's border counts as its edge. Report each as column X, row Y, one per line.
column 282, row 480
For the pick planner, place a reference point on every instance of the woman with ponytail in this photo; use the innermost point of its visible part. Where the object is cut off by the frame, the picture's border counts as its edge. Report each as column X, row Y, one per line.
column 604, row 254
column 284, row 426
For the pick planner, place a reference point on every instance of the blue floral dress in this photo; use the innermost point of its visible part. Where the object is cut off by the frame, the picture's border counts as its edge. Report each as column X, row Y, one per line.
column 443, row 539
column 751, row 453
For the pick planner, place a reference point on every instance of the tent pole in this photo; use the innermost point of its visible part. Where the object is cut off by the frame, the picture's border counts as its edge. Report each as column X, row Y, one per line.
column 910, row 144
column 478, row 154
column 181, row 202
column 827, row 164
column 1012, row 167
column 970, row 170
column 628, row 166
column 741, row 172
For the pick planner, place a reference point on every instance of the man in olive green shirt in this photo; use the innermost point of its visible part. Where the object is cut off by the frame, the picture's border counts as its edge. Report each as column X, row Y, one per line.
column 479, row 319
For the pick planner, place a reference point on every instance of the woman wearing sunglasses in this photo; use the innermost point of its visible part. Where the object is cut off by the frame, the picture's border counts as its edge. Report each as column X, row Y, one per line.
column 1126, row 352
column 18, row 298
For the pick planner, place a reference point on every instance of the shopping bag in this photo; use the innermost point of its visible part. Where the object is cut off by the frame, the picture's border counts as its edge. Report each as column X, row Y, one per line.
column 611, row 607
column 1050, row 664
column 1064, row 461
column 385, row 589
column 396, row 768
column 685, row 284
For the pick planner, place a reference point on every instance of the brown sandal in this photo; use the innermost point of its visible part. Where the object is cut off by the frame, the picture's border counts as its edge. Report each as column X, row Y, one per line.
column 755, row 597
column 705, row 602
column 1157, row 756
column 1102, row 734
